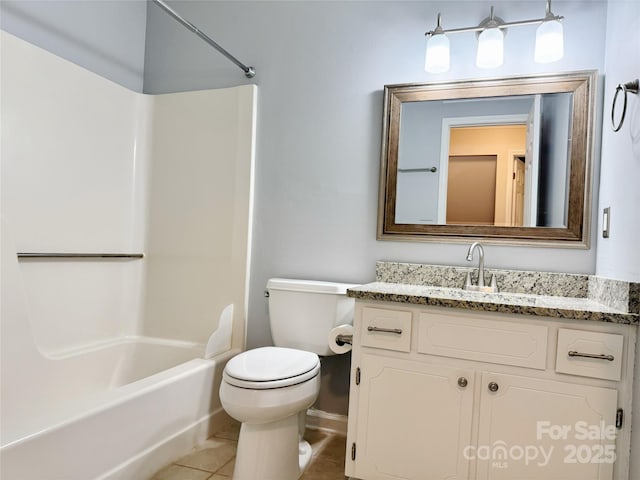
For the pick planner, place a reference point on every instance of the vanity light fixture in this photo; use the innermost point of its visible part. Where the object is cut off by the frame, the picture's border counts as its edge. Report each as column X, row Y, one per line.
column 491, row 32
column 436, row 58
column 490, row 52
column 549, row 39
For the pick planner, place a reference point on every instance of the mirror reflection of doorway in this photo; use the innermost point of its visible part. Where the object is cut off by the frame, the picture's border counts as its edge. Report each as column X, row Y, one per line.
column 502, row 143
column 517, row 210
column 471, row 190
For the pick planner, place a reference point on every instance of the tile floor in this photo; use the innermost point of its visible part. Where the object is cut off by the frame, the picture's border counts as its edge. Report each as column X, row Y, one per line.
column 214, row 459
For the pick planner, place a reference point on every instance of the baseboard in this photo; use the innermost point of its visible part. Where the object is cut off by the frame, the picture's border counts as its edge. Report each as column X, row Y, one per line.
column 330, row 422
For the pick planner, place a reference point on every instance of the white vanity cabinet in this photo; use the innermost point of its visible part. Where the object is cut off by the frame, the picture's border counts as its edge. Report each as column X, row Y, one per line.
column 543, row 421
column 442, row 393
column 429, row 407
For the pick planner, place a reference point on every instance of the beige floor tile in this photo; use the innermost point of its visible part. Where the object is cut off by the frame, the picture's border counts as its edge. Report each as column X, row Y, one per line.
column 230, row 430
column 215, row 459
column 322, row 468
column 211, row 456
column 316, row 439
column 328, row 463
column 335, row 448
column 178, row 472
column 227, row 469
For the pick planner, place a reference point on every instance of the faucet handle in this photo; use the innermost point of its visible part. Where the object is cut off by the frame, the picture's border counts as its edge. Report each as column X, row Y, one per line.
column 467, row 281
column 493, row 284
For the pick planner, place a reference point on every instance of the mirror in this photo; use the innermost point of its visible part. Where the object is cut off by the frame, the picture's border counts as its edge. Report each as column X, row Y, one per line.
column 503, row 160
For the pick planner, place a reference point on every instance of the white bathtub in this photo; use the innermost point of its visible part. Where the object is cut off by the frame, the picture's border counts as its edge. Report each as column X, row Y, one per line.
column 119, row 410
column 134, row 173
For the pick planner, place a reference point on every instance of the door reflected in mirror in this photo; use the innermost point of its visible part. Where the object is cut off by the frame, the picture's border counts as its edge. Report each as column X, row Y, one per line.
column 509, row 168
column 498, row 159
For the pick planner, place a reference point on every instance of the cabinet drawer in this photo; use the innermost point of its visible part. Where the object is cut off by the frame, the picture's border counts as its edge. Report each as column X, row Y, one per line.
column 589, row 354
column 460, row 336
column 388, row 329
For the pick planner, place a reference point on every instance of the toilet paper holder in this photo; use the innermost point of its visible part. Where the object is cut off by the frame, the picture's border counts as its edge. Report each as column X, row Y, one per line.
column 344, row 338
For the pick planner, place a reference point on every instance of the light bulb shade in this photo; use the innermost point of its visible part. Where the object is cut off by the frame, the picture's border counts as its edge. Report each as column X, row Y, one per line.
column 436, row 59
column 490, row 48
column 549, row 42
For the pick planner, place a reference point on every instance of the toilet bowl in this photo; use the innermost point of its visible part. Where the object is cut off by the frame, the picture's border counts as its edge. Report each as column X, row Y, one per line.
column 271, row 403
column 269, row 389
column 270, row 383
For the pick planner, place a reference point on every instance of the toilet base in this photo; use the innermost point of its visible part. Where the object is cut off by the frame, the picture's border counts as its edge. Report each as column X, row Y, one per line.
column 271, row 451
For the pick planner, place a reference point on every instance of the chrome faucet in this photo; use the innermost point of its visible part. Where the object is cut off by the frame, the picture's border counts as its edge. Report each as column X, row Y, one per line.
column 480, row 285
column 480, row 248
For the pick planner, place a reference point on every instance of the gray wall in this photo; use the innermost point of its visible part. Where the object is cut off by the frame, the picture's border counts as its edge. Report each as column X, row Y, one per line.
column 618, row 255
column 104, row 36
column 321, row 67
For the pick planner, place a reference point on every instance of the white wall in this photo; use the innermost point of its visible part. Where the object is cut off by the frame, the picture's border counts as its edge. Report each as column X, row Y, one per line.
column 104, row 36
column 70, row 149
column 200, row 190
column 89, row 166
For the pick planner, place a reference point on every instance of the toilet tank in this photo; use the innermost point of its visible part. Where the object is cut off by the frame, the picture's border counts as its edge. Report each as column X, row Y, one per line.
column 302, row 312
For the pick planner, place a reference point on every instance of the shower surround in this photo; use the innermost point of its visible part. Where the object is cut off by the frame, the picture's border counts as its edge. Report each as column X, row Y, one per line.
column 117, row 361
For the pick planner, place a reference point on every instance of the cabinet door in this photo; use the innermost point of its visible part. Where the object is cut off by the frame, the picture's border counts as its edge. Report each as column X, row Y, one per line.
column 413, row 420
column 537, row 429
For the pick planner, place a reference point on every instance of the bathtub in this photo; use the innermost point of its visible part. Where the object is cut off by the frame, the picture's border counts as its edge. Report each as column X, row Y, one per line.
column 134, row 173
column 118, row 410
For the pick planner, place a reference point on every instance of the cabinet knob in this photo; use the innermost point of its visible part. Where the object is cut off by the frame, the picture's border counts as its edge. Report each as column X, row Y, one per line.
column 463, row 382
column 493, row 387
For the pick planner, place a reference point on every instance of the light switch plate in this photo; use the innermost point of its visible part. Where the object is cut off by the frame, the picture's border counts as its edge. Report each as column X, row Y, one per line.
column 606, row 221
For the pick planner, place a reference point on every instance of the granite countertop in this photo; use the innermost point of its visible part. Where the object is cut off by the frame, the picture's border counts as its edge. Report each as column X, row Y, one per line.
column 392, row 289
column 519, row 303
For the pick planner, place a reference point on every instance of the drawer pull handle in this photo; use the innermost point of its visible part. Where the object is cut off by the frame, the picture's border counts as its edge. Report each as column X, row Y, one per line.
column 463, row 382
column 573, row 353
column 493, row 387
column 397, row 331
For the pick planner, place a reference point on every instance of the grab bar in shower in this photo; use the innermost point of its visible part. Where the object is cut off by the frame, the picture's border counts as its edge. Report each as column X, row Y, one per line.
column 249, row 72
column 81, row 255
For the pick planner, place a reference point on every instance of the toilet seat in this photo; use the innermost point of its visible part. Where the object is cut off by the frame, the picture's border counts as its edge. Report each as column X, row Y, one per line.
column 271, row 367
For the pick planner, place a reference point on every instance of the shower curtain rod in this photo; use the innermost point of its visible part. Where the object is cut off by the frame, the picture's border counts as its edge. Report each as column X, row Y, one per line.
column 249, row 72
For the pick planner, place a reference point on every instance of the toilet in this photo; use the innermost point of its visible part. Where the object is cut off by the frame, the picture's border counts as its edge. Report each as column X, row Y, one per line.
column 269, row 389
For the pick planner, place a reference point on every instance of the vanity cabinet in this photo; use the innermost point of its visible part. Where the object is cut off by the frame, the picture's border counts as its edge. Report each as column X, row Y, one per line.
column 439, row 393
column 403, row 400
column 543, row 420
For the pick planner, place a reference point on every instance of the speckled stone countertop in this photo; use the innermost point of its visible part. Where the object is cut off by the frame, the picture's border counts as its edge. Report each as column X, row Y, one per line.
column 589, row 298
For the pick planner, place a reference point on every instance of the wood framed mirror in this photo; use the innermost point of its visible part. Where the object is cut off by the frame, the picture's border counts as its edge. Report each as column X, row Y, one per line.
column 505, row 160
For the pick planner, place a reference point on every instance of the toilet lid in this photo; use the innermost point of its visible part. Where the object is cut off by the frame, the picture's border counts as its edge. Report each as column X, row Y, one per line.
column 271, row 367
